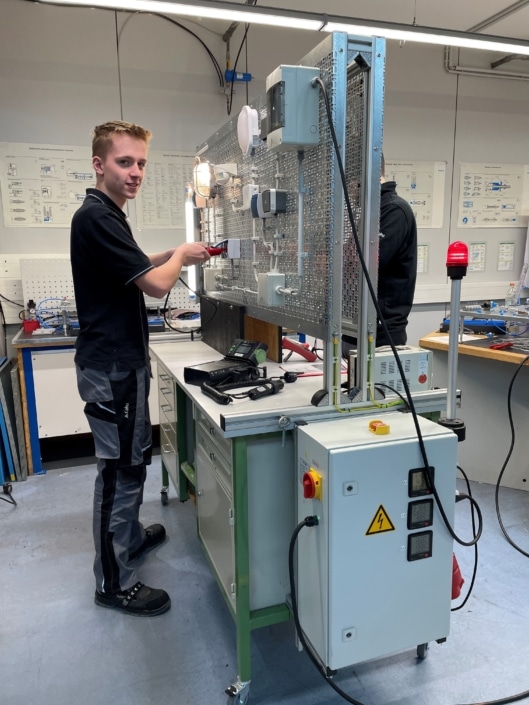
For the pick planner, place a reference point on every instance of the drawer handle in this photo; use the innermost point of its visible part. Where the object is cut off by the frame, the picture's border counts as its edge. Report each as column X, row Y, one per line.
column 167, row 427
column 211, row 431
column 166, row 448
column 165, row 378
column 165, row 391
column 166, row 407
column 212, row 456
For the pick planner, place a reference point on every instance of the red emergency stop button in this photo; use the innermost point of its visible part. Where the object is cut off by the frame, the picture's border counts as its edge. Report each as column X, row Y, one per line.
column 312, row 485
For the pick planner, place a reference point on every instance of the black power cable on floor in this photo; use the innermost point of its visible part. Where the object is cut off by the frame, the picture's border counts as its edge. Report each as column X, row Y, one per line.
column 504, row 467
column 314, row 521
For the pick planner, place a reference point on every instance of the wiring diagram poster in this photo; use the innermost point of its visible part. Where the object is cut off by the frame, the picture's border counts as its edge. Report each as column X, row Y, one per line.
column 43, row 185
column 493, row 195
column 422, row 184
column 161, row 200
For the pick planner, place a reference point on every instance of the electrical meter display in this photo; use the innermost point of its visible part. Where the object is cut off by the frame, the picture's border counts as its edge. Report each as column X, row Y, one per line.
column 420, row 545
column 420, row 514
column 418, row 484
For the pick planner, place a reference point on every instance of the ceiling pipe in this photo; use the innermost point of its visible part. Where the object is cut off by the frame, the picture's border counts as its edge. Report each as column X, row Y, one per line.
column 489, row 73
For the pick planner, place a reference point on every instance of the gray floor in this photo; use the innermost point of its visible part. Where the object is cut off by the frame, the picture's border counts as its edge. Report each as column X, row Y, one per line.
column 58, row 648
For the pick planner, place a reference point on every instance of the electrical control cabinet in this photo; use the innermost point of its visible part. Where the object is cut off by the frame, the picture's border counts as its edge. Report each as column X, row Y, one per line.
column 293, row 108
column 374, row 576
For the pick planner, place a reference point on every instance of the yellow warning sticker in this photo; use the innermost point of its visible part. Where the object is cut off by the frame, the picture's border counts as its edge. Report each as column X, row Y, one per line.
column 381, row 523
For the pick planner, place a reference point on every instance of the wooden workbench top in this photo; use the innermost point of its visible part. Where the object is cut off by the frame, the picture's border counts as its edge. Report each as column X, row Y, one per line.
column 439, row 341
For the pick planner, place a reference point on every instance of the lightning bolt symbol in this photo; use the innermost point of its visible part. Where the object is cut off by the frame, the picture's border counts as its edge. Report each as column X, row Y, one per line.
column 380, row 519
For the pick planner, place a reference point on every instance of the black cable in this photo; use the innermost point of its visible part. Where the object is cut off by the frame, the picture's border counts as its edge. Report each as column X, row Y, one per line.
column 314, row 521
column 475, row 569
column 511, row 448
column 4, row 328
column 230, row 103
column 308, row 521
column 209, row 52
column 202, row 298
column 316, row 350
column 504, row 701
column 15, row 303
column 7, row 487
column 169, row 19
column 428, row 474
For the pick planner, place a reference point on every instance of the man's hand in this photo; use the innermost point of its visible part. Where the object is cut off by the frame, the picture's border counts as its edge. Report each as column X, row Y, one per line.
column 193, row 253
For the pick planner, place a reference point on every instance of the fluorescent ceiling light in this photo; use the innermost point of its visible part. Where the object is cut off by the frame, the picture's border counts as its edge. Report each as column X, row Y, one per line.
column 431, row 35
column 296, row 19
column 230, row 12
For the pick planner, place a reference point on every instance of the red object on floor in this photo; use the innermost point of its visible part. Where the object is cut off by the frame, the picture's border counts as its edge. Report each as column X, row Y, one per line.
column 457, row 578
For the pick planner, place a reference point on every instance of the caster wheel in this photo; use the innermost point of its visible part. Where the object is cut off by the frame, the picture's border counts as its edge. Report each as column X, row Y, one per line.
column 238, row 693
column 164, row 498
column 422, row 651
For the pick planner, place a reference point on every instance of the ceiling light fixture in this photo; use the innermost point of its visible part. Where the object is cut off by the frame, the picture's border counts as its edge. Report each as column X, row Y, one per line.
column 296, row 19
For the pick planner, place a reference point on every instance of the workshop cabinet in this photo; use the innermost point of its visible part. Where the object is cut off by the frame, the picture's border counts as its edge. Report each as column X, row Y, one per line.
column 260, row 467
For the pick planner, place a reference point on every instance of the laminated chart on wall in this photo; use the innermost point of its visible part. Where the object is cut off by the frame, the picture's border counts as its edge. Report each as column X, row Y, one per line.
column 493, row 195
column 422, row 184
column 161, row 201
column 42, row 185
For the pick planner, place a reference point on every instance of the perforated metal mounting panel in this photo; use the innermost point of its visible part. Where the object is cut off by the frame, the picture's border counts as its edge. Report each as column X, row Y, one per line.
column 317, row 253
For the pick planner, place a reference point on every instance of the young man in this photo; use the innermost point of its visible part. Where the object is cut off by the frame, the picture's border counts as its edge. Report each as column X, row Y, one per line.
column 111, row 274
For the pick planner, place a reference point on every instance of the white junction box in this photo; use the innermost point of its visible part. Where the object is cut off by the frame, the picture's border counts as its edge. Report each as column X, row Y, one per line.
column 268, row 285
column 374, row 576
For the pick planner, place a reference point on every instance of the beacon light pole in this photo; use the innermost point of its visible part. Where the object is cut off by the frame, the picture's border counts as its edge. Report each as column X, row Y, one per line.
column 456, row 269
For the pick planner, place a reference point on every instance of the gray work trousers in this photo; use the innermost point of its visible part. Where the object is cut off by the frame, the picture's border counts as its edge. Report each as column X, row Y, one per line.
column 116, row 406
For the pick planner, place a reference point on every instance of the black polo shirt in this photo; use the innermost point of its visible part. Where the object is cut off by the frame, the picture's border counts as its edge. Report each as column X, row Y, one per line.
column 111, row 308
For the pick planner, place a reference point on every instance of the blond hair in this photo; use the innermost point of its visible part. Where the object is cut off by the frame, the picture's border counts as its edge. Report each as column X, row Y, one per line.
column 102, row 135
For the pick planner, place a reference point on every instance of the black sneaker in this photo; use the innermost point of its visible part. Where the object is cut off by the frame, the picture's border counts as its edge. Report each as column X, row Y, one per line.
column 154, row 535
column 140, row 600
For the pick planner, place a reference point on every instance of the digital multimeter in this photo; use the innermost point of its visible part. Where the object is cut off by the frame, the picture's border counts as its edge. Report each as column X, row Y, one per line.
column 248, row 350
column 241, row 360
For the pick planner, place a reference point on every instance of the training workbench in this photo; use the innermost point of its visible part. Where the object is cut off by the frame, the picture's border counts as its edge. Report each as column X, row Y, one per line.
column 240, row 461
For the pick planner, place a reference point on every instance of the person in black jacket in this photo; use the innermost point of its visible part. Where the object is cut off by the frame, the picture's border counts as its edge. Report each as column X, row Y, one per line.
column 397, row 262
column 397, row 265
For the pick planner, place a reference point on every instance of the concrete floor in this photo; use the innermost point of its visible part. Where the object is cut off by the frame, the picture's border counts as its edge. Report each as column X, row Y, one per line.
column 58, row 648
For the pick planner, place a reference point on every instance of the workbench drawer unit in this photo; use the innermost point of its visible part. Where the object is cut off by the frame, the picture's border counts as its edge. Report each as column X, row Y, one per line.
column 167, row 410
column 218, row 449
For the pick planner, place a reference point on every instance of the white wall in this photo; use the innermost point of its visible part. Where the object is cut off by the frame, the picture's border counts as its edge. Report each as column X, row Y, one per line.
column 60, row 76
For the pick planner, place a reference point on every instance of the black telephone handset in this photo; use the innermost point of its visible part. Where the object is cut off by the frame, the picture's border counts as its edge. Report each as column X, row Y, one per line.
column 248, row 351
